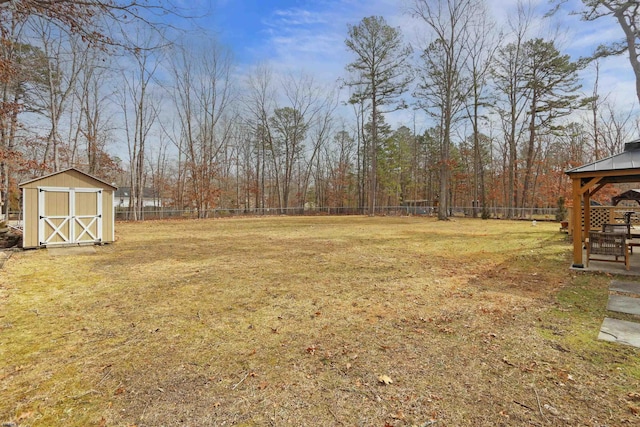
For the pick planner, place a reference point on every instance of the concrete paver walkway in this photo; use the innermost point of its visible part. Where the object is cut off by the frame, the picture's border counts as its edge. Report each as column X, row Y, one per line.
column 624, row 304
column 624, row 298
column 620, row 331
column 625, row 287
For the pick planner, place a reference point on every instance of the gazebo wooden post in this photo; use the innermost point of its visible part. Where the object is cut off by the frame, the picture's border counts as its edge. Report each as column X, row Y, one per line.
column 577, row 225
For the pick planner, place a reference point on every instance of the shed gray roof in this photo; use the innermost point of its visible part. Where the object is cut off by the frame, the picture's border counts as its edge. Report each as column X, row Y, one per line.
column 628, row 159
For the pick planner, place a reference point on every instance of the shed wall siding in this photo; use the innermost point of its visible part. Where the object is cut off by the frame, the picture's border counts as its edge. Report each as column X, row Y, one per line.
column 30, row 236
column 108, row 232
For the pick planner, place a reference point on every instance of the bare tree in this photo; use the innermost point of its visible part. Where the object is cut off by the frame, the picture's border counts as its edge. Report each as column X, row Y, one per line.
column 339, row 159
column 92, row 122
column 595, row 105
column 627, row 13
column 160, row 168
column 508, row 77
column 289, row 132
column 140, row 110
column 260, row 103
column 482, row 44
column 322, row 125
column 15, row 84
column 66, row 58
column 202, row 96
column 615, row 128
column 362, row 151
column 90, row 23
column 93, row 20
column 307, row 116
column 443, row 87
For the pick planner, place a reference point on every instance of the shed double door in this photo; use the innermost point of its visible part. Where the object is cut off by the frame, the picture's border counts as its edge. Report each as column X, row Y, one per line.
column 69, row 215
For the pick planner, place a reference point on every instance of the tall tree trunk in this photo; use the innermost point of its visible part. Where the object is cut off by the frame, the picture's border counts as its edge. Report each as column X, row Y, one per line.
column 528, row 166
column 373, row 173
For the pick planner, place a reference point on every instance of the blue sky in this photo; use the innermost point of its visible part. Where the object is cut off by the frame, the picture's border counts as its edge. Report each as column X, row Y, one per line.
column 309, row 35
column 293, row 33
column 265, row 29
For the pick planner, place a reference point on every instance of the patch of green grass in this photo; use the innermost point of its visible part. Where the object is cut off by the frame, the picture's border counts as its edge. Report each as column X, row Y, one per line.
column 587, row 295
column 573, row 325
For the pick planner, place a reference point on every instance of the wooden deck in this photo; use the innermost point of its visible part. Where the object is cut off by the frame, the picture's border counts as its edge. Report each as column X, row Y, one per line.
column 614, row 267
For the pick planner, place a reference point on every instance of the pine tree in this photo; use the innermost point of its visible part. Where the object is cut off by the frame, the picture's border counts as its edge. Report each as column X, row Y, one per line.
column 379, row 76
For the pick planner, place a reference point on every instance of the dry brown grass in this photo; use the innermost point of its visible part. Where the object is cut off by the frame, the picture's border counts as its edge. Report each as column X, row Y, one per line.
column 291, row 321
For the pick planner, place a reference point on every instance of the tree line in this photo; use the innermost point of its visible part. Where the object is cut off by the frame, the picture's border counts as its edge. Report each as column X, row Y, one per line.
column 506, row 113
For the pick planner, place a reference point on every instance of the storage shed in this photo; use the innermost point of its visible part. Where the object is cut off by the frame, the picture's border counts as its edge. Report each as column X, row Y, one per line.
column 68, row 207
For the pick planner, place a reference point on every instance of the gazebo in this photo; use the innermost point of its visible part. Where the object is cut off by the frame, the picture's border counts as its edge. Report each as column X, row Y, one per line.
column 631, row 195
column 588, row 179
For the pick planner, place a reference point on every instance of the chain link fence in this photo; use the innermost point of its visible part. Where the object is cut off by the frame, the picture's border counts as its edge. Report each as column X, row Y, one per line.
column 149, row 213
column 541, row 214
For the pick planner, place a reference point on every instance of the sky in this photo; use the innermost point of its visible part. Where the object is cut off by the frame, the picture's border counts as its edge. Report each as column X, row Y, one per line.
column 308, row 36
column 294, row 33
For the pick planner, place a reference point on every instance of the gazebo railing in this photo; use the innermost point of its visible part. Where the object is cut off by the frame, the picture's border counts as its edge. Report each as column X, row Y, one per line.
column 607, row 215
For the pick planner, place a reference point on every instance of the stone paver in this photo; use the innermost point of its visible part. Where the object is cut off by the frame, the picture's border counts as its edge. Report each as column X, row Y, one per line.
column 624, row 304
column 620, row 331
column 626, row 287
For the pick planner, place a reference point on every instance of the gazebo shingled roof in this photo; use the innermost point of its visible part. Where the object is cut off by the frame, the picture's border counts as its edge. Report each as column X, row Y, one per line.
column 588, row 179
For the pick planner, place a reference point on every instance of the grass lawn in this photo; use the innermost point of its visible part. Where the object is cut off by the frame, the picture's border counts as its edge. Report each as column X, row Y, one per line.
column 314, row 321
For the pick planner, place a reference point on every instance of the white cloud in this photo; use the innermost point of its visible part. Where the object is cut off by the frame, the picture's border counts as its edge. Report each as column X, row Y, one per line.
column 294, row 17
column 313, row 38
